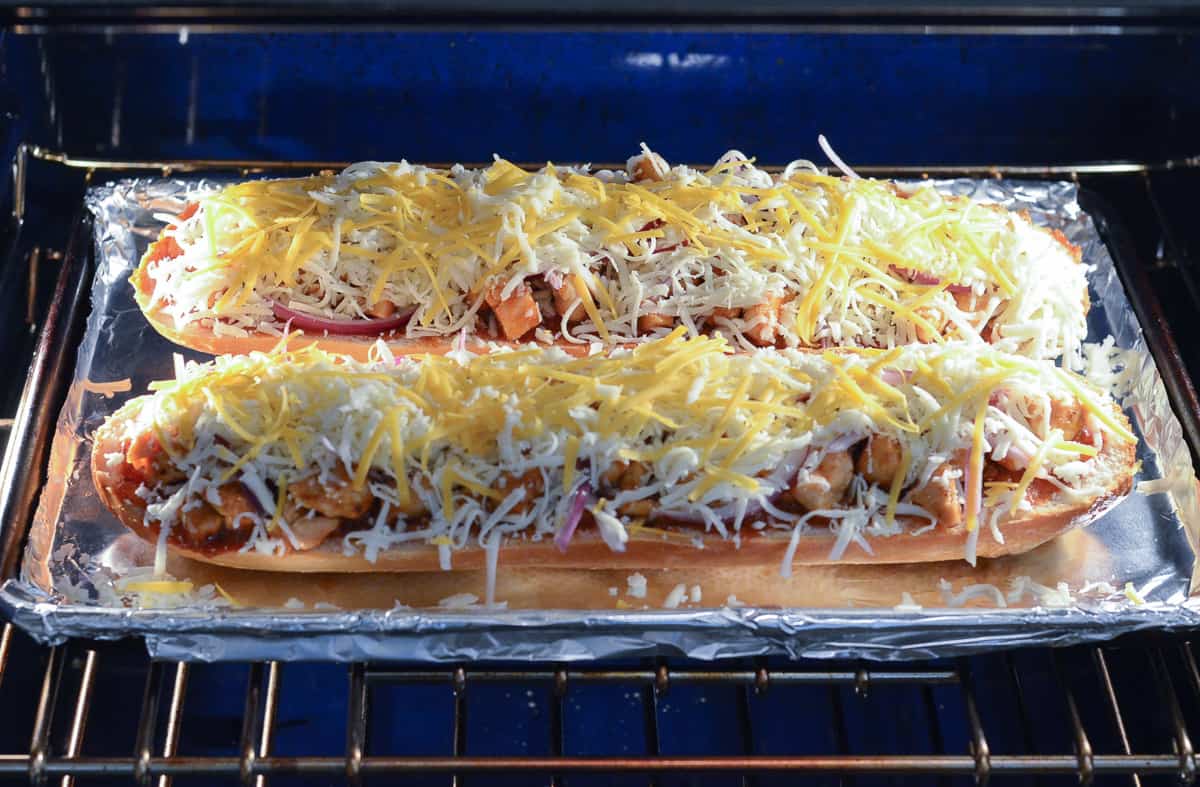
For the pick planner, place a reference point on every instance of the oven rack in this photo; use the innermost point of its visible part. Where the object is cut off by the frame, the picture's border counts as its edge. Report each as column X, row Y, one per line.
column 58, row 727
column 166, row 167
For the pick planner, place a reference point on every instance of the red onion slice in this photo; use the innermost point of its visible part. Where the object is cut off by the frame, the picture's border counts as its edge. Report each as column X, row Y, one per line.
column 973, row 484
column 914, row 276
column 562, row 539
column 926, row 279
column 352, row 327
column 895, row 376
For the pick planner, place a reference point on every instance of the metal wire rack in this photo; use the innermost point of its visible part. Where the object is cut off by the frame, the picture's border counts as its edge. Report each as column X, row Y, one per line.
column 1078, row 715
column 1105, row 743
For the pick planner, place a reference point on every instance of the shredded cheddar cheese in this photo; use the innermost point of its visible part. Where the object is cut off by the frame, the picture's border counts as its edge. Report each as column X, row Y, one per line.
column 853, row 262
column 898, row 483
column 163, row 587
column 453, row 448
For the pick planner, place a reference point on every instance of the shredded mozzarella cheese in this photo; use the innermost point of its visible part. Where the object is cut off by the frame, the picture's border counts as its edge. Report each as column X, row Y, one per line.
column 799, row 257
column 434, row 440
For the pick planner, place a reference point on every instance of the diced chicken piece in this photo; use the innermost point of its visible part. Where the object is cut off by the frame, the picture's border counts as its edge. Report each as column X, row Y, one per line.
column 967, row 301
column 381, row 310
column 518, row 314
column 564, row 297
column 202, row 522
column 1067, row 416
column 612, row 474
column 235, row 501
column 723, row 313
column 764, row 320
column 337, row 498
column 634, row 475
column 934, row 320
column 628, row 476
column 311, row 532
column 144, row 453
column 625, row 475
column 827, row 483
column 531, row 480
column 647, row 167
column 652, row 322
column 940, row 497
column 880, row 460
column 147, row 456
column 637, row 508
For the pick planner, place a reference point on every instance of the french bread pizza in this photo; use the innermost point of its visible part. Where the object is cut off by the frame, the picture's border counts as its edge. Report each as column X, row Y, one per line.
column 676, row 452
column 430, row 259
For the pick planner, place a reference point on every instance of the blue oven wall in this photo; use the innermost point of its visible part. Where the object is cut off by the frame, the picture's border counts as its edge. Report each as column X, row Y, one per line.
column 437, row 96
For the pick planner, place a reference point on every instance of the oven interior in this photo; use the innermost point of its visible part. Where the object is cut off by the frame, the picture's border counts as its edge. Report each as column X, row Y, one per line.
column 1107, row 99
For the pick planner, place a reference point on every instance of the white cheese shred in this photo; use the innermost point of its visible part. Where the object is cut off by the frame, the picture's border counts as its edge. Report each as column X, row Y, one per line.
column 492, row 555
column 676, row 596
column 637, row 585
column 970, row 593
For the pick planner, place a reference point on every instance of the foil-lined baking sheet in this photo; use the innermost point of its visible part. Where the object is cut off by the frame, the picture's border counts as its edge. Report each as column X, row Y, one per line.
column 83, row 573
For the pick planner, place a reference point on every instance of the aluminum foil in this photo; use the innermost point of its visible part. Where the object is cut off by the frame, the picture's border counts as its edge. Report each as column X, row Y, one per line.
column 1133, row 569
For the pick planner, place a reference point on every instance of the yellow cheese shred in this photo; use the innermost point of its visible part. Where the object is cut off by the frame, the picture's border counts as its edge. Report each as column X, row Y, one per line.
column 898, row 482
column 589, row 306
column 161, row 587
column 439, row 241
column 1102, row 413
column 1032, row 469
column 368, row 455
column 630, row 405
column 570, row 454
column 225, row 595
